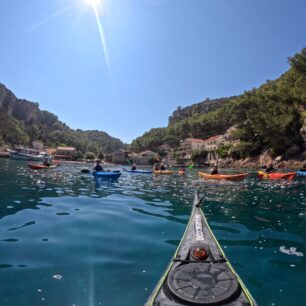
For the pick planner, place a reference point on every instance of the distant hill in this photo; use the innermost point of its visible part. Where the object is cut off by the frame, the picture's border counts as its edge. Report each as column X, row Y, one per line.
column 201, row 108
column 22, row 122
column 270, row 117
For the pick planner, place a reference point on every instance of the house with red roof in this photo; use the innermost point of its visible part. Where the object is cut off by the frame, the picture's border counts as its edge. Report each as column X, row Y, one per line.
column 65, row 153
column 213, row 143
column 188, row 145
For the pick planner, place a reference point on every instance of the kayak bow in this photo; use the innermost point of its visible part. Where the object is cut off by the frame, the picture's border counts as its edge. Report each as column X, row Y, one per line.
column 200, row 273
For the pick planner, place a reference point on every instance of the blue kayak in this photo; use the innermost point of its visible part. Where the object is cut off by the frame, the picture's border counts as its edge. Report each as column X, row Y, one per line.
column 301, row 173
column 138, row 171
column 107, row 175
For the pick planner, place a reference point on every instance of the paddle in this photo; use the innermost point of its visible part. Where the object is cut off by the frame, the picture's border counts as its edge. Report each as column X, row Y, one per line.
column 190, row 166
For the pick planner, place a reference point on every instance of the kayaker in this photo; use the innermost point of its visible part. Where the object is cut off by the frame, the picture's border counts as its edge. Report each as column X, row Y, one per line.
column 303, row 169
column 133, row 167
column 214, row 169
column 270, row 168
column 156, row 167
column 97, row 167
column 181, row 170
column 46, row 162
column 162, row 167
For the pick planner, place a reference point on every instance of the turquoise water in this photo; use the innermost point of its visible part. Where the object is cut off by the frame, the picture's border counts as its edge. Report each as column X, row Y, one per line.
column 68, row 240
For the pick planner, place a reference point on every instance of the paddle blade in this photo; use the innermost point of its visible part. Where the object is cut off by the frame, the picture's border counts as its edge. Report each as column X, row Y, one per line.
column 190, row 166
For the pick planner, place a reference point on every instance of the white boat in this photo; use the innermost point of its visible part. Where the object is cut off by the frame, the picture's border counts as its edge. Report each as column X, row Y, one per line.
column 28, row 154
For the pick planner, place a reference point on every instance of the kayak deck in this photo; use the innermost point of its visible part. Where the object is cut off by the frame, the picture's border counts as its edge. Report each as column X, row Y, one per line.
column 210, row 280
column 228, row 177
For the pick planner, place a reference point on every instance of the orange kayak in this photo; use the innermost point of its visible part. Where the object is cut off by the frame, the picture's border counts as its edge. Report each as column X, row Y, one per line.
column 277, row 175
column 228, row 177
column 167, row 172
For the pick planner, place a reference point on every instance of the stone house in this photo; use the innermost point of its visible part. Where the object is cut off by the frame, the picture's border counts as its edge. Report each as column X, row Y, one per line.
column 144, row 158
column 120, row 156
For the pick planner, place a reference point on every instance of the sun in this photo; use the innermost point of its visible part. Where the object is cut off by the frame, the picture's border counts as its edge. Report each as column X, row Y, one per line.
column 93, row 3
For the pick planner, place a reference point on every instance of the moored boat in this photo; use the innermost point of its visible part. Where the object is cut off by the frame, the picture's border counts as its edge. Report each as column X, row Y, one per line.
column 228, row 177
column 200, row 273
column 28, row 154
column 277, row 175
column 166, row 172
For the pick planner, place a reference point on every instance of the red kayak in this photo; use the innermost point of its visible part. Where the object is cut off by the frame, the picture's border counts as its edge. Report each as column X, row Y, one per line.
column 277, row 175
column 40, row 166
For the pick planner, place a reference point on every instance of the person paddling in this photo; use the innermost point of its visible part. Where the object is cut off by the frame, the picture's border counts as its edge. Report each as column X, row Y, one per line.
column 303, row 169
column 270, row 168
column 46, row 162
column 97, row 167
column 214, row 169
column 133, row 167
column 162, row 167
column 156, row 167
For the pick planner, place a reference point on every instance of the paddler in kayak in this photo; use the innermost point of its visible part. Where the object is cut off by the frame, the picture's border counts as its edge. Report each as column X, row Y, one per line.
column 162, row 167
column 214, row 169
column 156, row 167
column 133, row 167
column 270, row 168
column 181, row 170
column 97, row 167
column 46, row 162
column 303, row 169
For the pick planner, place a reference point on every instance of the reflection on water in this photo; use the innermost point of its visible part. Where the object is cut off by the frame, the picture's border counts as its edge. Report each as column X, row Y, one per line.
column 68, row 239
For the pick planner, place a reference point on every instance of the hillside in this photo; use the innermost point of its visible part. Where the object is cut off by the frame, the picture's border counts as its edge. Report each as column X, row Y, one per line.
column 267, row 118
column 22, row 122
column 201, row 108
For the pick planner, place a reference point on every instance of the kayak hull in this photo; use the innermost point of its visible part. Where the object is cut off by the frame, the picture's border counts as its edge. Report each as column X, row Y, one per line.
column 138, row 171
column 210, row 280
column 39, row 166
column 165, row 172
column 228, row 177
column 301, row 173
column 107, row 175
column 277, row 175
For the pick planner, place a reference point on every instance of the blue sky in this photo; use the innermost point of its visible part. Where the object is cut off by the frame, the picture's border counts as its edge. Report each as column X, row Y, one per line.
column 160, row 54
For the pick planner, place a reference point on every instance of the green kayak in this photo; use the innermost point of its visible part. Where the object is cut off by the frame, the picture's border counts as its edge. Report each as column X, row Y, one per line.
column 200, row 273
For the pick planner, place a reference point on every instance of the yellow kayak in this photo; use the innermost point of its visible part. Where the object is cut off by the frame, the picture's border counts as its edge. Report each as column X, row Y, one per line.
column 163, row 172
column 228, row 177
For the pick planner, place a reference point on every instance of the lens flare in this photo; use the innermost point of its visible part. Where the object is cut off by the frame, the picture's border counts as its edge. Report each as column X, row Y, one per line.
column 93, row 3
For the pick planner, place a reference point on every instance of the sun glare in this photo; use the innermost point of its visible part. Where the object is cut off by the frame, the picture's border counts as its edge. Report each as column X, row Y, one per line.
column 93, row 3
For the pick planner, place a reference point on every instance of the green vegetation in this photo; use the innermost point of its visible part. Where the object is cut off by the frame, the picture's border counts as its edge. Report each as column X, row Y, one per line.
column 22, row 123
column 199, row 156
column 269, row 117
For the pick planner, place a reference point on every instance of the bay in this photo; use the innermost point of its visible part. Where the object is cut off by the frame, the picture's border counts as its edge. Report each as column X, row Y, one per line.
column 67, row 239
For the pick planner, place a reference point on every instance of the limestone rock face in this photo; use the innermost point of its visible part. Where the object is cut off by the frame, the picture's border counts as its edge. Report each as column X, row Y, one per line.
column 20, row 109
column 292, row 151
